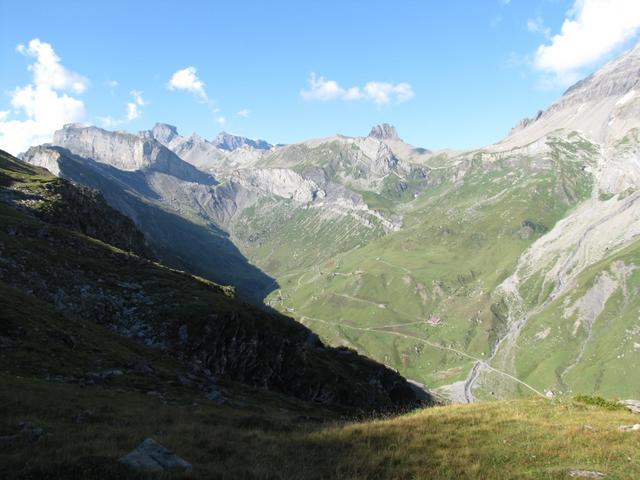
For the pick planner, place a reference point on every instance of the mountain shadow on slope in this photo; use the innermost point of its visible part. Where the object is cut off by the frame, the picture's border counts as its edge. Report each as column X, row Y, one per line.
column 203, row 326
column 202, row 249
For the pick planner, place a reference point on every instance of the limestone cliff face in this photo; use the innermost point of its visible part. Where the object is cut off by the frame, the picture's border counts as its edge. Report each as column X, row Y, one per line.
column 126, row 152
column 248, row 173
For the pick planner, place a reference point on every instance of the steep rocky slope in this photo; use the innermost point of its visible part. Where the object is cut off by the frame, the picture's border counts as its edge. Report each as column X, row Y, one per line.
column 604, row 106
column 57, row 202
column 198, row 324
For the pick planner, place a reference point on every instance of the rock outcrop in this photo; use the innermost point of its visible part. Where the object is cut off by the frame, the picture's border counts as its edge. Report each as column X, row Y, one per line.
column 632, row 405
column 384, row 131
column 227, row 141
column 62, row 203
column 150, row 456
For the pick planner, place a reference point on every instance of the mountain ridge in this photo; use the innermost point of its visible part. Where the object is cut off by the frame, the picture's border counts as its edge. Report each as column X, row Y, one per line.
column 603, row 105
column 455, row 268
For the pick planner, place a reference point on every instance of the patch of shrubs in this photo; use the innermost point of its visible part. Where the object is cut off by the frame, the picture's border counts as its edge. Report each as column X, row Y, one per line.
column 599, row 402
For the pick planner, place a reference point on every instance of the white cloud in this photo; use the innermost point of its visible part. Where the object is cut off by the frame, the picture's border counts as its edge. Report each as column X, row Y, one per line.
column 112, row 85
column 43, row 104
column 137, row 97
column 323, row 90
column 536, row 25
column 187, row 79
column 221, row 120
column 133, row 111
column 245, row 112
column 382, row 93
column 592, row 29
column 4, row 114
column 109, row 122
column 47, row 69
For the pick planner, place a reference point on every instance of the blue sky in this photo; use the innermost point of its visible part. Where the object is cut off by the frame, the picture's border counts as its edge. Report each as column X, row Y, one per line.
column 452, row 74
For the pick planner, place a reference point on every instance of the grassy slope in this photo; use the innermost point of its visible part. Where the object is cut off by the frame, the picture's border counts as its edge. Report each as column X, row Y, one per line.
column 280, row 237
column 516, row 439
column 611, row 352
column 458, row 242
column 284, row 239
column 256, row 435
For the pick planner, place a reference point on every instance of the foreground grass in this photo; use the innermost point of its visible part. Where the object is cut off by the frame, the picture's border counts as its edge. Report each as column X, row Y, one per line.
column 494, row 440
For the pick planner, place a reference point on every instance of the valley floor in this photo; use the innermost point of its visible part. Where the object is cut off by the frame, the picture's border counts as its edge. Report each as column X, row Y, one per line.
column 493, row 440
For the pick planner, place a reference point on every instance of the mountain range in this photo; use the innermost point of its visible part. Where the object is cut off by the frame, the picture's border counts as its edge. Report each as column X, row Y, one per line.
column 490, row 273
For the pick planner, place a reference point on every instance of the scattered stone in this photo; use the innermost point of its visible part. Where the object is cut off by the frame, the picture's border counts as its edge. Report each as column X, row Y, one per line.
column 142, row 367
column 28, row 433
column 307, row 419
column 549, row 394
column 85, row 416
column 586, row 474
column 104, row 377
column 630, row 428
column 150, row 456
column 215, row 395
column 633, row 405
column 183, row 334
column 184, row 380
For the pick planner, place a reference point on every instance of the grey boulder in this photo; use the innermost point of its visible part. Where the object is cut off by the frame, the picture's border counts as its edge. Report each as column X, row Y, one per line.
column 633, row 405
column 150, row 456
column 28, row 434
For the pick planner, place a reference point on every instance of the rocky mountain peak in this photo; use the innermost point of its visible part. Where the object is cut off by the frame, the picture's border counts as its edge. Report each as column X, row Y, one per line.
column 164, row 133
column 230, row 142
column 604, row 105
column 618, row 77
column 127, row 152
column 384, row 131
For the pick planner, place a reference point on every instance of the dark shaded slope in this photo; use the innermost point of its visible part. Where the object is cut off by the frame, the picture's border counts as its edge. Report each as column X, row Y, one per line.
column 58, row 202
column 205, row 250
column 192, row 320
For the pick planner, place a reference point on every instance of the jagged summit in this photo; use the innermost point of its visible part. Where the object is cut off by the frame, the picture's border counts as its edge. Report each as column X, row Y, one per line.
column 164, row 132
column 228, row 141
column 384, row 131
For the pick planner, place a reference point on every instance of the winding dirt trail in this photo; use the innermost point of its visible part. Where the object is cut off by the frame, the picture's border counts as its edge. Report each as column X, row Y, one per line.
column 479, row 361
